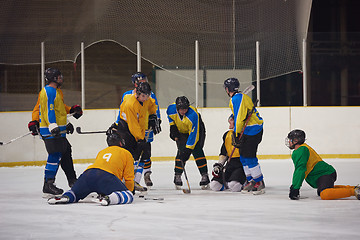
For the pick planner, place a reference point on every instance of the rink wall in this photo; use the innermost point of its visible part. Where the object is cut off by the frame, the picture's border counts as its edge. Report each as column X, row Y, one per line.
column 333, row 131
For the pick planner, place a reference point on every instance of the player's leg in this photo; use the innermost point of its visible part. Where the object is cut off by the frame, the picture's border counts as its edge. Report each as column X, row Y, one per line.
column 80, row 189
column 54, row 149
column 201, row 163
column 237, row 177
column 67, row 164
column 112, row 190
column 248, row 157
column 138, row 168
column 328, row 191
column 147, row 165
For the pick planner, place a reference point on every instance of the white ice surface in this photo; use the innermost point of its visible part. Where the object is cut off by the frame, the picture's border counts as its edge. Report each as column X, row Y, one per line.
column 203, row 214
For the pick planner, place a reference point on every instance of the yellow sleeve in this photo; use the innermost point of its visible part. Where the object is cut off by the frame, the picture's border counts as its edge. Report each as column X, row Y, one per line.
column 35, row 113
column 129, row 171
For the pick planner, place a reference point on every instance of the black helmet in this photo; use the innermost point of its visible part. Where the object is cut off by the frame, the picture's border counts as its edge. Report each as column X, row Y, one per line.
column 295, row 136
column 114, row 138
column 143, row 87
column 232, row 84
column 182, row 103
column 51, row 75
column 138, row 76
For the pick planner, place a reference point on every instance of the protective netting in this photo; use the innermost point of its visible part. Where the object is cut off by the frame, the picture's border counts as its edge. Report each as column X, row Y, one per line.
column 226, row 30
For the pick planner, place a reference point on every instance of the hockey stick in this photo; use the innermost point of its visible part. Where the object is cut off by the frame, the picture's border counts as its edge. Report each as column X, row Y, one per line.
column 78, row 130
column 13, row 140
column 248, row 89
column 187, row 180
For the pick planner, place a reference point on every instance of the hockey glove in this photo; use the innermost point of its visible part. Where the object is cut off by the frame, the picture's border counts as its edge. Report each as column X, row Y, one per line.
column 157, row 128
column 185, row 154
column 217, row 169
column 174, row 132
column 33, row 127
column 54, row 129
column 236, row 141
column 69, row 128
column 77, row 110
column 152, row 121
column 294, row 194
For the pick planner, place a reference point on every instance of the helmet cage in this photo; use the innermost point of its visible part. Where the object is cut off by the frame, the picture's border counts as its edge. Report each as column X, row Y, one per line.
column 143, row 87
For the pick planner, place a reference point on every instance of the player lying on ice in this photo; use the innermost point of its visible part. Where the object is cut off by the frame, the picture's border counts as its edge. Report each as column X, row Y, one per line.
column 112, row 165
column 316, row 172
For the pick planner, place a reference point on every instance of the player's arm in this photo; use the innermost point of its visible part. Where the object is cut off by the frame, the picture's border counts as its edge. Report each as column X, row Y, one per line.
column 300, row 158
column 194, row 133
column 129, row 171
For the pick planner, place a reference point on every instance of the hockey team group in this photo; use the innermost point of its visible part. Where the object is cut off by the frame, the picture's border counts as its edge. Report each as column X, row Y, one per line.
column 116, row 173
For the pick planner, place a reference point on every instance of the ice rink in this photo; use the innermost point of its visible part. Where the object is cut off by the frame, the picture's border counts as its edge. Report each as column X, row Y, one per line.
column 203, row 214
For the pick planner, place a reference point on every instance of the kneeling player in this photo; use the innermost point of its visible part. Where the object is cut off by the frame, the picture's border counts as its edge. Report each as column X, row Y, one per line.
column 233, row 177
column 112, row 165
column 317, row 173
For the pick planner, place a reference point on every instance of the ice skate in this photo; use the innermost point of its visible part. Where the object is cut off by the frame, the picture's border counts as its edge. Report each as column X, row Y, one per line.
column 357, row 192
column 147, row 179
column 139, row 188
column 259, row 188
column 177, row 181
column 50, row 189
column 58, row 200
column 204, row 182
column 248, row 186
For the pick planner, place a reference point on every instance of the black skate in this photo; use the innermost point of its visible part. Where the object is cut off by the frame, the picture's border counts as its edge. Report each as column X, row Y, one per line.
column 178, row 181
column 259, row 188
column 204, row 182
column 147, row 179
column 139, row 188
column 357, row 192
column 50, row 189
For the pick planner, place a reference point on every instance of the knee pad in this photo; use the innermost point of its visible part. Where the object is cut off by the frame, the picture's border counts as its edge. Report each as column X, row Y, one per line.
column 216, row 186
column 235, row 186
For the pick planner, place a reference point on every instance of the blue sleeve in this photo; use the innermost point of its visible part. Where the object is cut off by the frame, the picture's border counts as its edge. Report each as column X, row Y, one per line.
column 170, row 111
column 194, row 134
column 157, row 105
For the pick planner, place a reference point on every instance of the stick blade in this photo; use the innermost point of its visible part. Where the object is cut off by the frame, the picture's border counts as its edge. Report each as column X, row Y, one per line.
column 187, row 191
column 78, row 130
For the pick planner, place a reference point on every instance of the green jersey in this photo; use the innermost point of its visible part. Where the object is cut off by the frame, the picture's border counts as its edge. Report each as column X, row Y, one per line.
column 309, row 166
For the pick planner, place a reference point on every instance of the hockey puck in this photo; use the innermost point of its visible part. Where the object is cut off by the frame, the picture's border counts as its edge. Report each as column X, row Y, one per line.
column 154, row 198
column 141, row 196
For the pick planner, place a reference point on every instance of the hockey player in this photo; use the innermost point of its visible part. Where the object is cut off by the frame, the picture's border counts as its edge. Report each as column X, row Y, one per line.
column 65, row 163
column 133, row 113
column 233, row 175
column 316, row 172
column 142, row 157
column 188, row 131
column 50, row 114
column 112, row 165
column 241, row 105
